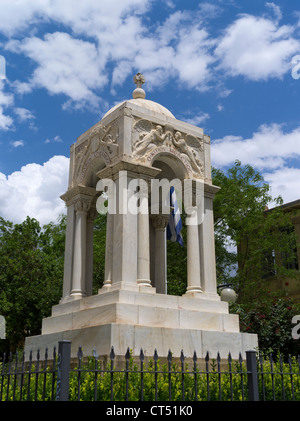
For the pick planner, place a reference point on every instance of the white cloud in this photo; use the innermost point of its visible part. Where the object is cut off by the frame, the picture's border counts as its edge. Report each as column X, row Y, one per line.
column 24, row 114
column 196, row 119
column 257, row 48
column 276, row 10
column 5, row 120
column 179, row 47
column 56, row 139
column 17, row 143
column 269, row 150
column 18, row 15
column 268, row 147
column 284, row 182
column 86, row 17
column 35, row 191
column 65, row 65
column 112, row 39
column 6, row 100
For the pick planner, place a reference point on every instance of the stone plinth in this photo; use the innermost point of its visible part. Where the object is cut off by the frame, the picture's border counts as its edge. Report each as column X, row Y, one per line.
column 135, row 319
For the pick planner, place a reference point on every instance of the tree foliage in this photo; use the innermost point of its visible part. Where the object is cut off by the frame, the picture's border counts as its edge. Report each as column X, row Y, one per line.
column 31, row 261
column 255, row 234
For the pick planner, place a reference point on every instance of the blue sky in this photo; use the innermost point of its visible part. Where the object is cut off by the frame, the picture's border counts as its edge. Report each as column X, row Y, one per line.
column 228, row 66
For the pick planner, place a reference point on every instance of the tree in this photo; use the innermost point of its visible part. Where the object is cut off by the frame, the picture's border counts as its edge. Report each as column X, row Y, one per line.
column 31, row 261
column 254, row 234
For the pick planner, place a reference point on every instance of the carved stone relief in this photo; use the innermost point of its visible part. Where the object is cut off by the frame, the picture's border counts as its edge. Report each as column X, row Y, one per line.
column 150, row 140
column 101, row 142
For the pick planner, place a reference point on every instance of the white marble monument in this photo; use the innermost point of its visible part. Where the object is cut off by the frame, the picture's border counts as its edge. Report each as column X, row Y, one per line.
column 135, row 145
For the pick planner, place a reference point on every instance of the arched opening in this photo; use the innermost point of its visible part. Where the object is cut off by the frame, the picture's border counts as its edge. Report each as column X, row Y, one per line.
column 169, row 256
column 171, row 167
column 89, row 176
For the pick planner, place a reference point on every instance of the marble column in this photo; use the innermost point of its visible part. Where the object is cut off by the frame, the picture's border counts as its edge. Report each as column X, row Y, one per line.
column 69, row 244
column 124, row 264
column 79, row 261
column 207, row 247
column 109, row 250
column 143, row 250
column 194, row 284
column 91, row 215
column 159, row 223
column 72, row 198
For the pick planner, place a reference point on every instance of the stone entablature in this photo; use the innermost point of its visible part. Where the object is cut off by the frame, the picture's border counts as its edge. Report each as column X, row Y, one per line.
column 132, row 132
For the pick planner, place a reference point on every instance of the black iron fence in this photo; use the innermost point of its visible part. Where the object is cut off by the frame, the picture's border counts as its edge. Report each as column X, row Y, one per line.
column 58, row 377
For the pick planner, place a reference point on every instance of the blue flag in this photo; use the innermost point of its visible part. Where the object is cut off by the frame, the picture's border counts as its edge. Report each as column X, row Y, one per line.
column 175, row 223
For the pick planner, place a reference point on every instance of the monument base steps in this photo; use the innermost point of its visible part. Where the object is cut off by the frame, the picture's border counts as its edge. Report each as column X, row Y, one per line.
column 133, row 319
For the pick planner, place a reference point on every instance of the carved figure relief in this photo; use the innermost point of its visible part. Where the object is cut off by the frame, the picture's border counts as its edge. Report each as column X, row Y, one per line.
column 155, row 139
column 102, row 142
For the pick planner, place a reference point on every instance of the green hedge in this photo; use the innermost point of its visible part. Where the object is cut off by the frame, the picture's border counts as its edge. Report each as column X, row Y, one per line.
column 225, row 386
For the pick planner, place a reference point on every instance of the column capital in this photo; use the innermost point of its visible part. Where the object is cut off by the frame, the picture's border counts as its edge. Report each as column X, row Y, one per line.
column 82, row 205
column 71, row 195
column 159, row 222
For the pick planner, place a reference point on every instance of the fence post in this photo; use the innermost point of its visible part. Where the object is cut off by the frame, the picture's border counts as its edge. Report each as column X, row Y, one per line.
column 63, row 370
column 252, row 376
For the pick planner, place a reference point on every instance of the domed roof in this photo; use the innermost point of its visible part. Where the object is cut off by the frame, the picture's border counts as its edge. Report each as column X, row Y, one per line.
column 139, row 99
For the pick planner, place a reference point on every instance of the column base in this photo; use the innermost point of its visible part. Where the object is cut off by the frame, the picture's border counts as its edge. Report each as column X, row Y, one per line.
column 193, row 290
column 128, row 286
column 144, row 283
column 77, row 293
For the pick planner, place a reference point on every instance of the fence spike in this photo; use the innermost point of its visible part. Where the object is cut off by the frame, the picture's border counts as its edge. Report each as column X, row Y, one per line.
column 207, row 357
column 142, row 356
column 80, row 353
column 112, row 353
column 195, row 357
column 155, row 356
column 182, row 357
column 229, row 358
column 280, row 360
column 169, row 356
column 127, row 355
column 240, row 358
column 218, row 357
column 95, row 355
